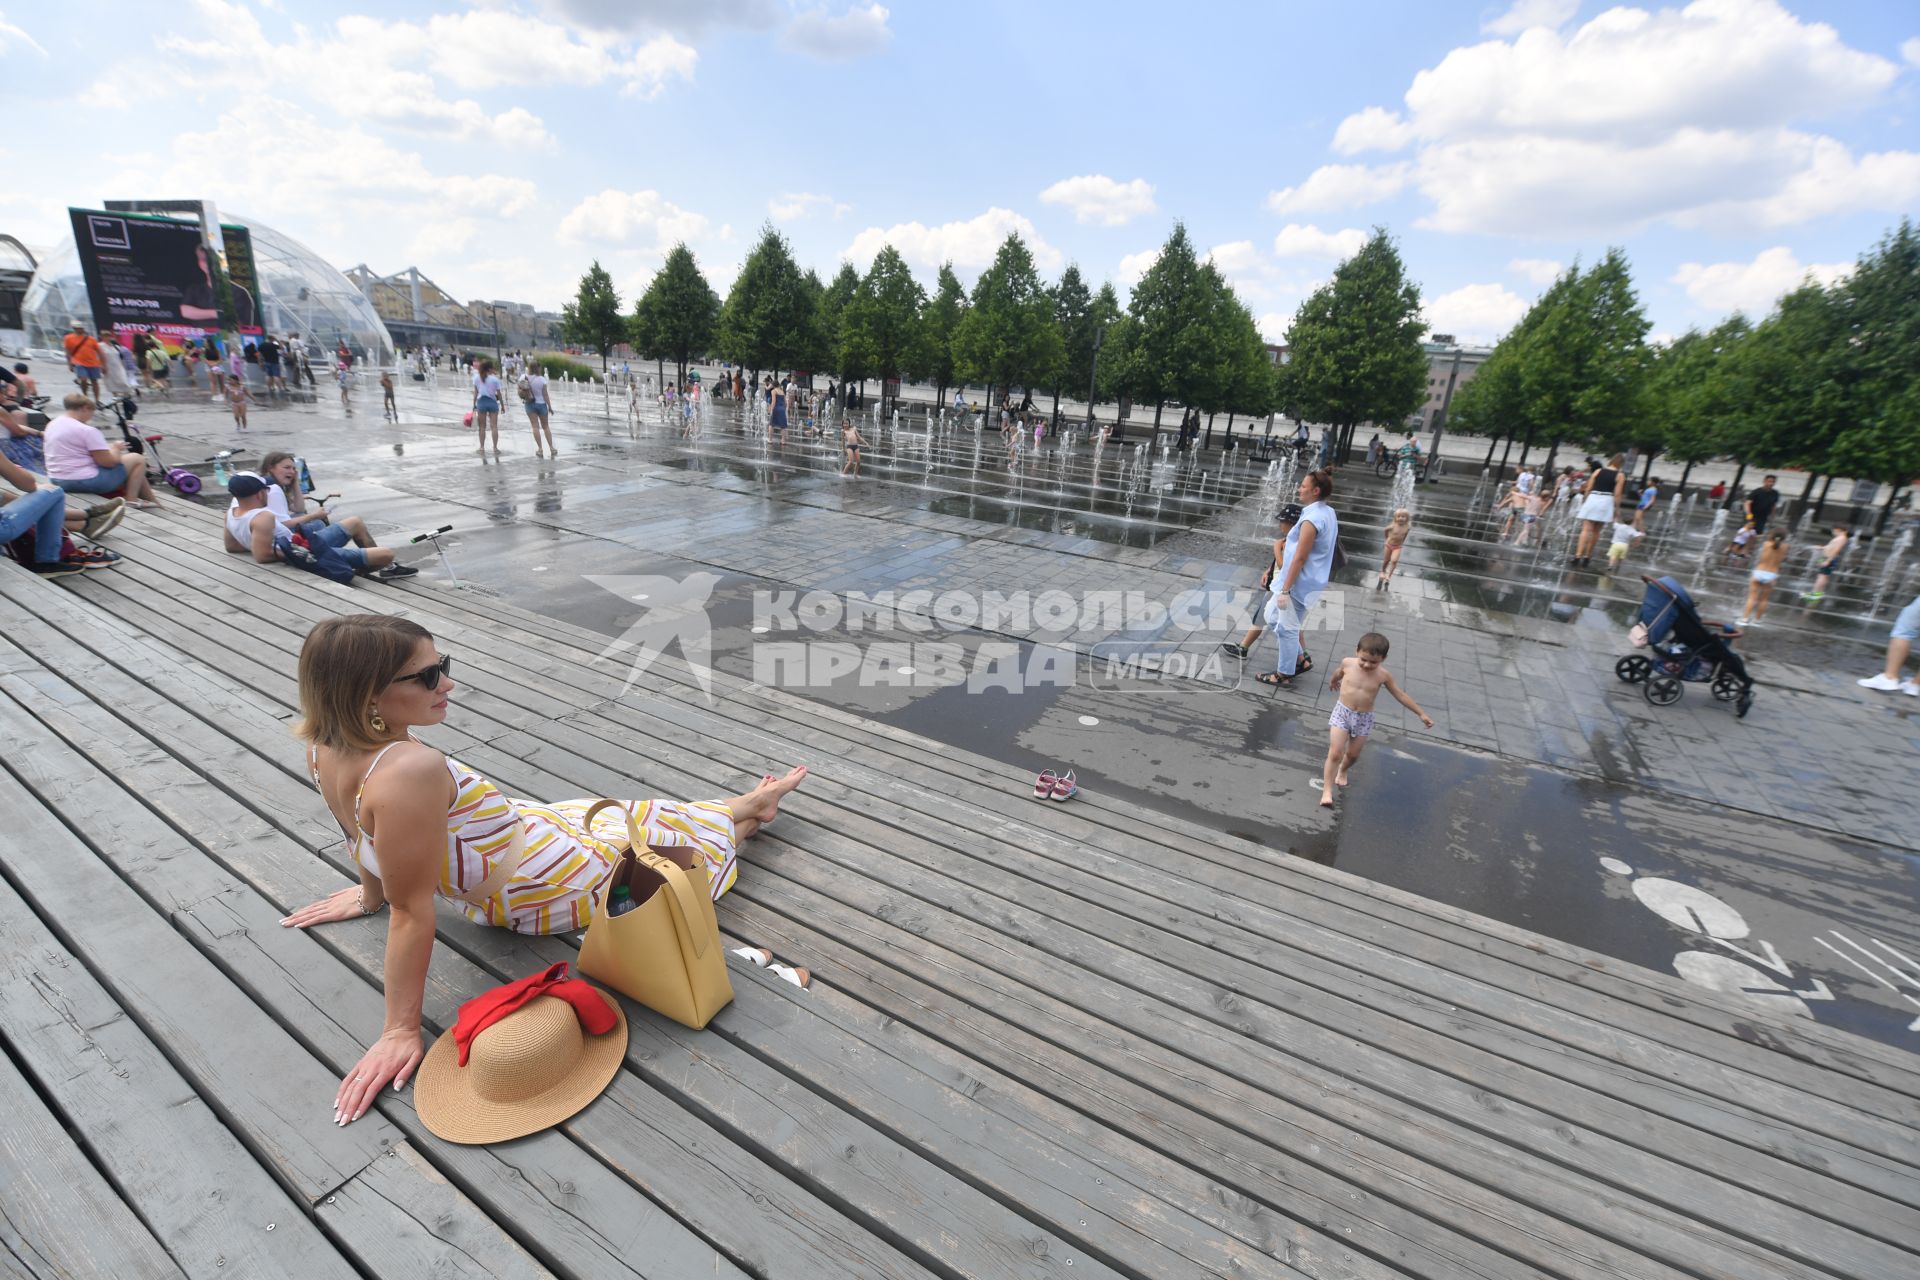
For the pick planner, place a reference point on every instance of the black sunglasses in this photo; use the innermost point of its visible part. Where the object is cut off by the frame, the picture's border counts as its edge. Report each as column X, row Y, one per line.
column 429, row 677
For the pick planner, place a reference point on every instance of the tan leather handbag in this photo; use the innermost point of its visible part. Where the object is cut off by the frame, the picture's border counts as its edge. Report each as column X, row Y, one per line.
column 666, row 951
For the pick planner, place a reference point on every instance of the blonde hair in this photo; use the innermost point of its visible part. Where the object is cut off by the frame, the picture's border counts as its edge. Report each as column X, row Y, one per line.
column 344, row 664
column 1402, row 514
column 76, row 401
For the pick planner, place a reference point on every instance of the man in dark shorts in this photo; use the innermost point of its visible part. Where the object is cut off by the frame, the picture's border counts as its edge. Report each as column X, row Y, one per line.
column 1760, row 504
column 270, row 355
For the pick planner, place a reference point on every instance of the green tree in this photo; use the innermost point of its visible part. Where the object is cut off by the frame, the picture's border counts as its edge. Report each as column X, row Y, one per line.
column 767, row 321
column 833, row 307
column 882, row 329
column 676, row 317
column 1697, row 395
column 1008, row 337
column 1876, row 365
column 1587, row 361
column 1356, row 344
column 945, row 311
column 815, row 351
column 593, row 318
column 1167, row 309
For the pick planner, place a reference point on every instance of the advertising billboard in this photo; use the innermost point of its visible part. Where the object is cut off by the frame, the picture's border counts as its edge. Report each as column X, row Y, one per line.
column 158, row 275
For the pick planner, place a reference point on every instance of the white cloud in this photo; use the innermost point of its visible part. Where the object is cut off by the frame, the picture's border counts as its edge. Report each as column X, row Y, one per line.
column 857, row 33
column 1476, row 312
column 1273, row 326
column 1910, row 50
column 1752, row 287
column 1532, row 13
column 1098, row 198
column 1135, row 265
column 486, row 48
column 1333, row 187
column 1296, row 241
column 626, row 217
column 685, row 16
column 1375, row 129
column 1540, row 271
column 11, row 35
column 1681, row 115
column 969, row 245
column 798, row 204
column 441, row 238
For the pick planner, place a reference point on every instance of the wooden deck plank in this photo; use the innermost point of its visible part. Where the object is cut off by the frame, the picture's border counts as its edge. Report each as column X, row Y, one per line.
column 432, row 1236
column 137, row 1114
column 590, row 1226
column 236, row 1057
column 945, row 943
column 59, row 1218
column 1590, row 968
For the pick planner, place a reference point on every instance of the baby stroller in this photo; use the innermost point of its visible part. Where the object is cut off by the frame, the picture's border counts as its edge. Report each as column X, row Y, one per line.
column 1684, row 651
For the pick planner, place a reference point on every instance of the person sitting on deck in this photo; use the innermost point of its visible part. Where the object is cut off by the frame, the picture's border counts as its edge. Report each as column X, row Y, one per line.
column 367, row 681
column 329, row 548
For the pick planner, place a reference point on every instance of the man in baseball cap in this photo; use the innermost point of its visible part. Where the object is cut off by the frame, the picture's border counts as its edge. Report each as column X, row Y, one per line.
column 324, row 549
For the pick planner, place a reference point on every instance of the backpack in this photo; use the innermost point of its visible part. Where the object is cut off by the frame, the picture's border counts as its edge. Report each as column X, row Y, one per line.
column 525, row 388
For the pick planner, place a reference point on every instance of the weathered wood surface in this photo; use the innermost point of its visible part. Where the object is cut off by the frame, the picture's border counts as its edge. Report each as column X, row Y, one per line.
column 1039, row 1036
column 58, row 1216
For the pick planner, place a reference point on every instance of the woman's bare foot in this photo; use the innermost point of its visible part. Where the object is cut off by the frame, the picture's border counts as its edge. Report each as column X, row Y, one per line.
column 762, row 804
column 1340, row 778
column 1326, row 799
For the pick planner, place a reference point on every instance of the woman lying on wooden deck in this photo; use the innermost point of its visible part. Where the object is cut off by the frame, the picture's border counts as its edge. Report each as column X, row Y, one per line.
column 366, row 682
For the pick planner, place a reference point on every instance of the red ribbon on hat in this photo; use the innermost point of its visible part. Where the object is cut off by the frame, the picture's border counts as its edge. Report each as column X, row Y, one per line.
column 476, row 1015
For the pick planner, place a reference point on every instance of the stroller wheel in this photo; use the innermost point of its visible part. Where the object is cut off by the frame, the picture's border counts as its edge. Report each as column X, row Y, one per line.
column 185, row 481
column 1633, row 668
column 1663, row 691
column 1727, row 688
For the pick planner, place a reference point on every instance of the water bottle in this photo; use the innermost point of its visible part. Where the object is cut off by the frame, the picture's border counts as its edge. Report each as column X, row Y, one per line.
column 306, row 481
column 620, row 901
column 220, row 469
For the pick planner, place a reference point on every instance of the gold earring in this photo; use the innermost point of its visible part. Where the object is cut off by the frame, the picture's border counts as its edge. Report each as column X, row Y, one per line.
column 378, row 724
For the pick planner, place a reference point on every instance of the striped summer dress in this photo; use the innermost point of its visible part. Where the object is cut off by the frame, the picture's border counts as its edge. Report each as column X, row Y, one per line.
column 552, row 890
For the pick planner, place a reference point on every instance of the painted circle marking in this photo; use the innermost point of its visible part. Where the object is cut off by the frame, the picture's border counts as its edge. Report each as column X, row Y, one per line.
column 1694, row 910
column 1089, row 721
column 1616, row 866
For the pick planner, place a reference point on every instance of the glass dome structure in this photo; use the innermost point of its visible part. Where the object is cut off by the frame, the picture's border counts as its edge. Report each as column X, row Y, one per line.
column 299, row 291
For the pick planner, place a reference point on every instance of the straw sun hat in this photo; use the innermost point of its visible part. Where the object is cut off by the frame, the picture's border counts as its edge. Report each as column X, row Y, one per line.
column 528, row 1071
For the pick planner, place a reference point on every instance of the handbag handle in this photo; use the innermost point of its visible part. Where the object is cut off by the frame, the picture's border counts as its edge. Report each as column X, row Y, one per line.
column 687, row 903
column 685, row 900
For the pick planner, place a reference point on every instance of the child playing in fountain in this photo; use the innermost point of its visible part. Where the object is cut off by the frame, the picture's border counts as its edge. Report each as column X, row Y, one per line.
column 1393, row 540
column 1829, row 562
column 851, row 441
column 1624, row 536
column 1737, row 549
column 1358, row 681
column 1773, row 554
column 1289, row 516
column 238, row 398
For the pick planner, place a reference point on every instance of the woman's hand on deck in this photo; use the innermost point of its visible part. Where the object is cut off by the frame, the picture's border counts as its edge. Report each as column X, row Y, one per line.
column 392, row 1060
column 343, row 905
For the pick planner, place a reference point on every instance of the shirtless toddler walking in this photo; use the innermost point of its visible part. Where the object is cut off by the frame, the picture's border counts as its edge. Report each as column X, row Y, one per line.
column 1358, row 681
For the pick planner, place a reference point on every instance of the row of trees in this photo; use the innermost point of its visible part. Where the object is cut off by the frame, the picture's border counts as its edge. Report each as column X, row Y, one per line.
column 1185, row 338
column 1827, row 383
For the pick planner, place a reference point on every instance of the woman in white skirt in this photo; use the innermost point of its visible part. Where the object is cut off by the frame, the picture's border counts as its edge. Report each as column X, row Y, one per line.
column 1600, row 499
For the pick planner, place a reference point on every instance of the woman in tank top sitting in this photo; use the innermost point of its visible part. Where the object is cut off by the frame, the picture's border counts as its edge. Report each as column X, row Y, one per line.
column 1601, row 499
column 420, row 824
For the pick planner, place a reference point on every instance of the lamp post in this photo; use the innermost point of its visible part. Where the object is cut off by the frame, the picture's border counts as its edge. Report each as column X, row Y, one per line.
column 494, row 309
column 1093, row 375
column 1440, row 419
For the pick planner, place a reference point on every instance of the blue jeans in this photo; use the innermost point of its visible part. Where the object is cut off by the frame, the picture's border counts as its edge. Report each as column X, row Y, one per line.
column 106, row 480
column 332, row 538
column 1287, row 615
column 40, row 513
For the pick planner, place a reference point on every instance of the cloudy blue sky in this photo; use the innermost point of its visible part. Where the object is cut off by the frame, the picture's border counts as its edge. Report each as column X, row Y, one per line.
column 1730, row 146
